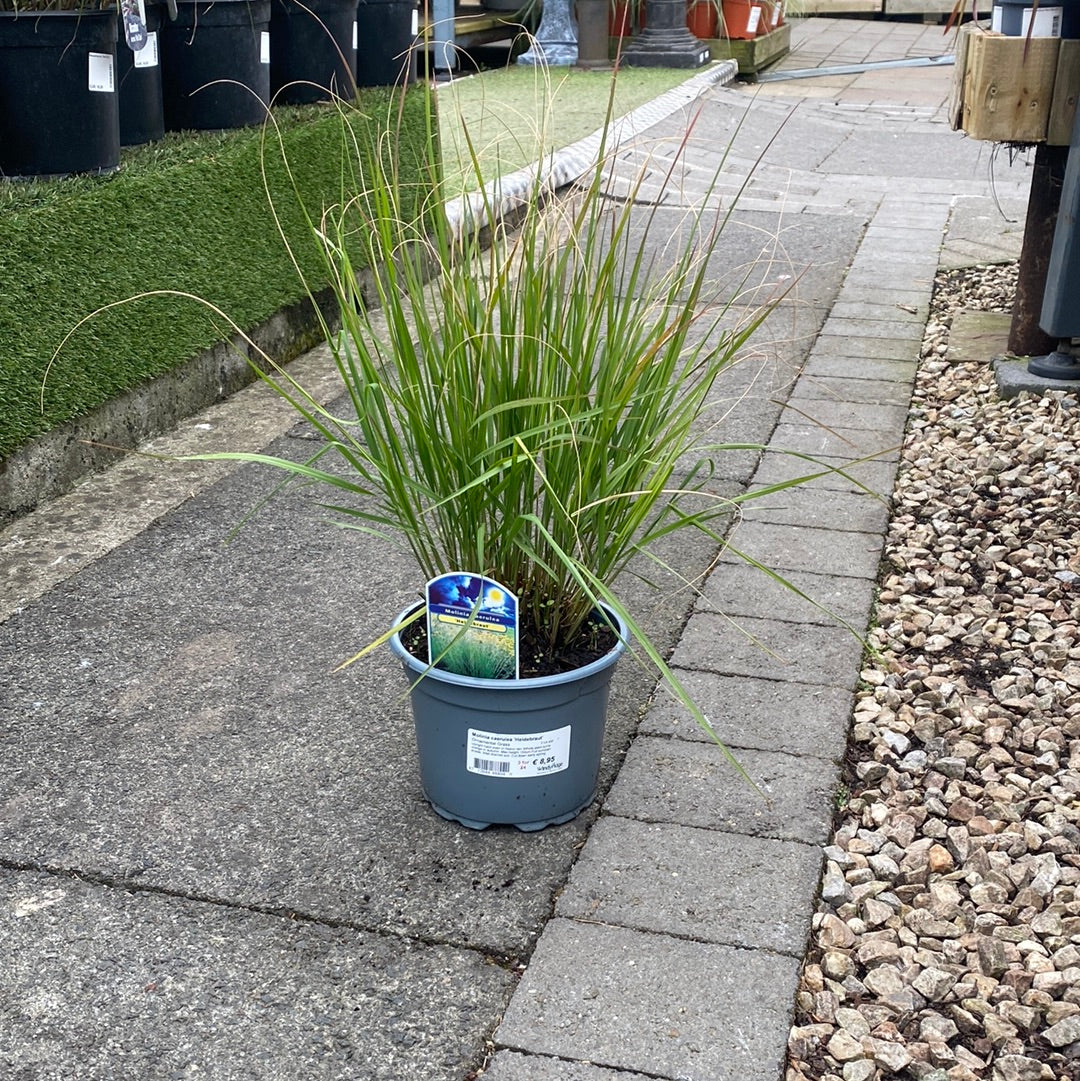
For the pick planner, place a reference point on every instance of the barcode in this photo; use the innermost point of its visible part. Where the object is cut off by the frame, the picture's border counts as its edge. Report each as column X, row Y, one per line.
column 491, row 765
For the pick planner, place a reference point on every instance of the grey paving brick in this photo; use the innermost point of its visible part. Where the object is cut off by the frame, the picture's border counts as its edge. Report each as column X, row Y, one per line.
column 631, row 1000
column 846, row 364
column 879, row 309
column 769, row 648
column 707, row 885
column 782, row 547
column 760, row 714
column 737, row 589
column 850, row 511
column 836, row 474
column 840, row 415
column 865, row 290
column 906, row 330
column 865, row 346
column 811, row 388
column 695, row 784
column 823, row 440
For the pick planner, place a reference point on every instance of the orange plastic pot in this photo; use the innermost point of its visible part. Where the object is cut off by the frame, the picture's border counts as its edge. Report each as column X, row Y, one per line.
column 743, row 20
column 701, row 19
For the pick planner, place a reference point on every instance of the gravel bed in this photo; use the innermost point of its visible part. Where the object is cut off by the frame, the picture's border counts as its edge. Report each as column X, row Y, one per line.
column 946, row 944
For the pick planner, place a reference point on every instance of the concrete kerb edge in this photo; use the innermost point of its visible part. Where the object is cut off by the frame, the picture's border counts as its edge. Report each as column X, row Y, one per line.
column 563, row 167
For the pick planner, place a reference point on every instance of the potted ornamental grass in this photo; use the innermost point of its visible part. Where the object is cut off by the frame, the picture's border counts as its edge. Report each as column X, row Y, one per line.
column 527, row 409
column 59, row 111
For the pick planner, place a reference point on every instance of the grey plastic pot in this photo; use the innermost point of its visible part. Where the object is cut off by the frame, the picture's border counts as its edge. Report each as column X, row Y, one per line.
column 520, row 752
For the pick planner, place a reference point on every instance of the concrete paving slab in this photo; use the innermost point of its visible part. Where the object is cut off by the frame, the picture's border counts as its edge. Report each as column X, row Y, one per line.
column 985, row 231
column 694, row 784
column 736, row 589
column 100, row 983
column 220, row 757
column 769, row 648
column 798, row 547
column 760, row 714
column 635, row 1001
column 978, row 336
column 1013, row 378
column 759, row 254
column 709, row 886
column 916, row 155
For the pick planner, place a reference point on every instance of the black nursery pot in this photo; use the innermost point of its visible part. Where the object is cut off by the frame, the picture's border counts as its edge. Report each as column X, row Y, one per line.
column 215, row 64
column 142, row 111
column 312, row 50
column 59, row 110
column 386, row 33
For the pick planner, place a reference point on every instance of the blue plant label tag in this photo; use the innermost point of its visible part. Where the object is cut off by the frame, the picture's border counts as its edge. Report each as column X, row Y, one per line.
column 472, row 626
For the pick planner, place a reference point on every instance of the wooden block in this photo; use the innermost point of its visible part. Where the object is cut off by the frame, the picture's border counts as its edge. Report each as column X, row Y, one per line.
column 956, row 89
column 1066, row 92
column 755, row 54
column 1008, row 87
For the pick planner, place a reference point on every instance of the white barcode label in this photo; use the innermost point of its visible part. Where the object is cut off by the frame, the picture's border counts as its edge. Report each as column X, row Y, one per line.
column 1047, row 22
column 100, row 78
column 530, row 754
column 147, row 56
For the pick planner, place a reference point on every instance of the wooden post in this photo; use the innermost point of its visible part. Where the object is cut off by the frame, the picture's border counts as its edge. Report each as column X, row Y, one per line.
column 1026, row 339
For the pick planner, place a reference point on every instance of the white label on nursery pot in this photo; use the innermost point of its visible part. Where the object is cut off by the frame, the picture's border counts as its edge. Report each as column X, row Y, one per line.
column 264, row 47
column 355, row 33
column 1047, row 23
column 532, row 754
column 101, row 73
column 147, row 56
column 754, row 20
column 415, row 22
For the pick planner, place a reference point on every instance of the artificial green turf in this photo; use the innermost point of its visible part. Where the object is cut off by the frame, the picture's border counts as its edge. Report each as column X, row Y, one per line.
column 190, row 214
column 514, row 115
